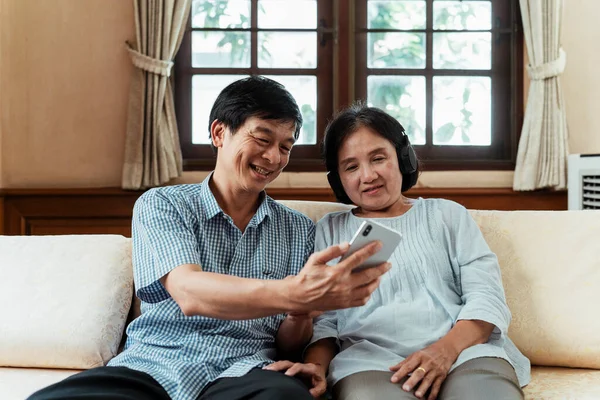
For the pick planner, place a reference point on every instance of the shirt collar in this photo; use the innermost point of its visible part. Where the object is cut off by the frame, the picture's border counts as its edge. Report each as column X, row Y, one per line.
column 212, row 208
column 264, row 210
column 209, row 203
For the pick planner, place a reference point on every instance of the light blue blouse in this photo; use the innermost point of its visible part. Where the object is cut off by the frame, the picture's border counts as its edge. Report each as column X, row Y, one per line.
column 442, row 271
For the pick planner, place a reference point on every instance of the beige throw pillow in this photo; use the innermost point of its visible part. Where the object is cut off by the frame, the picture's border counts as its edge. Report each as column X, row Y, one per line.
column 550, row 262
column 64, row 299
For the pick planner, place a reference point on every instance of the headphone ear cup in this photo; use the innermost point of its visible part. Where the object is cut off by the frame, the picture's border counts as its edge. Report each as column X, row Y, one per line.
column 409, row 160
column 338, row 189
column 409, row 180
column 409, row 165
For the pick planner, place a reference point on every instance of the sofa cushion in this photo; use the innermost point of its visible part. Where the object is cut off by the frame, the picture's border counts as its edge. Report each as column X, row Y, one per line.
column 547, row 383
column 550, row 263
column 563, row 383
column 19, row 383
column 64, row 299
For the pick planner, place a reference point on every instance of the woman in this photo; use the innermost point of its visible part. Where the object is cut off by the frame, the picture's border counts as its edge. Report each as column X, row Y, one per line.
column 437, row 325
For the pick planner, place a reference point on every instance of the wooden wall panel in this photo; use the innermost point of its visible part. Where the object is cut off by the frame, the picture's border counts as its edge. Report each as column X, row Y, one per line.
column 480, row 198
column 1, row 215
column 88, row 226
column 67, row 211
column 100, row 211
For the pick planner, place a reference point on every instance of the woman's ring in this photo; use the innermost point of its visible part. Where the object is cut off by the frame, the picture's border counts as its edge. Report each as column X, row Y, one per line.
column 422, row 369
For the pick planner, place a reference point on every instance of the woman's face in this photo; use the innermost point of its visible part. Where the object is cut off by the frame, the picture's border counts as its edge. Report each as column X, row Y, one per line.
column 369, row 170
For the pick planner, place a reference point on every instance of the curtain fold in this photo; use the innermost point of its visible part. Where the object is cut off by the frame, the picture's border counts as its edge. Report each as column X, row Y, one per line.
column 543, row 147
column 152, row 150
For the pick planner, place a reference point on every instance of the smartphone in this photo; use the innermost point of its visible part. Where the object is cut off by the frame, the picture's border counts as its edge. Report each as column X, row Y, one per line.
column 368, row 232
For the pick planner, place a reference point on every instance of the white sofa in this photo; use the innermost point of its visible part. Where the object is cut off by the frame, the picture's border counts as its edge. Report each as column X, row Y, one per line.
column 66, row 299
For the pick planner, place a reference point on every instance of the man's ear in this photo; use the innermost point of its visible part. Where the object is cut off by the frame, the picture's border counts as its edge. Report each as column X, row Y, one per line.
column 217, row 133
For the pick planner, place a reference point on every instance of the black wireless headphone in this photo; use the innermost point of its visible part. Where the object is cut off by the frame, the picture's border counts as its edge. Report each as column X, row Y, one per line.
column 407, row 160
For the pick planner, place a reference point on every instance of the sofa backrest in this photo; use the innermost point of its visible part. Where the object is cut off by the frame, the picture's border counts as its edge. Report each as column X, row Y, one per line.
column 65, row 298
column 550, row 262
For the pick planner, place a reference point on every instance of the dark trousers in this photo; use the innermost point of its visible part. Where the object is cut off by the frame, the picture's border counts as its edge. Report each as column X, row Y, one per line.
column 257, row 384
column 120, row 383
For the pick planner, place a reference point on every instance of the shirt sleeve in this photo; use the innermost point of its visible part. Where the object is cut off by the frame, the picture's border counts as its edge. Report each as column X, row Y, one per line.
column 163, row 239
column 478, row 272
column 310, row 243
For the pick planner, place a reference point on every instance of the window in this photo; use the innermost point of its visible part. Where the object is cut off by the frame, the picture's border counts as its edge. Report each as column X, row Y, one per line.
column 450, row 71
column 230, row 39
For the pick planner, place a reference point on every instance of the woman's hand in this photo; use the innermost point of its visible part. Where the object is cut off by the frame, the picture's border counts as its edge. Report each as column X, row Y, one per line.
column 429, row 366
column 312, row 374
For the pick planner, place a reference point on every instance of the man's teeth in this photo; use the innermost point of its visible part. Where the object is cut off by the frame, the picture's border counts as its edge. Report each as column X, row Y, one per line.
column 261, row 171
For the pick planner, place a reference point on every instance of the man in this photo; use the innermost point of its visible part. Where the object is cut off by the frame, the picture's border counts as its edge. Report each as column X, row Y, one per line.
column 218, row 265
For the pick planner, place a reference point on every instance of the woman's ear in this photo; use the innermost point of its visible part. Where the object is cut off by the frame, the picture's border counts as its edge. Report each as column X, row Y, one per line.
column 217, row 133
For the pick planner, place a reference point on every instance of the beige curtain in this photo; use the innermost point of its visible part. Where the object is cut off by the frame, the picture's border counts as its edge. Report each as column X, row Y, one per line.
column 152, row 151
column 543, row 148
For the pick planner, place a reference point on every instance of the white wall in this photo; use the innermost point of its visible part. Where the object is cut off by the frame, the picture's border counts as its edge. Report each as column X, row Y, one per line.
column 581, row 80
column 64, row 73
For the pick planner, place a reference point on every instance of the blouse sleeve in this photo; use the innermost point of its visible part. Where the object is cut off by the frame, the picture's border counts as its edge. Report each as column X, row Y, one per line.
column 325, row 325
column 477, row 270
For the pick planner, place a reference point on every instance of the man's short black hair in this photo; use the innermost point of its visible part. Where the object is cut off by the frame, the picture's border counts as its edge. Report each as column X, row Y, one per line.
column 255, row 96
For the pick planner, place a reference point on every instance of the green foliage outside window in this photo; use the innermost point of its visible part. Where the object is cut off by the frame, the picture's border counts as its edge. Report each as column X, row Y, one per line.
column 385, row 93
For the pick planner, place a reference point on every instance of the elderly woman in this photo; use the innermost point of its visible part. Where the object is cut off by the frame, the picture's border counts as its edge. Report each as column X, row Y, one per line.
column 437, row 325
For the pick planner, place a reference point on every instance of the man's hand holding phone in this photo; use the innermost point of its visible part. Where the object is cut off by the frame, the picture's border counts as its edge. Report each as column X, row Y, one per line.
column 319, row 286
column 368, row 232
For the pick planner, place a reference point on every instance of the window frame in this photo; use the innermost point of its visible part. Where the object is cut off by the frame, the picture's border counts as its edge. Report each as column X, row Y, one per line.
column 341, row 78
column 304, row 157
column 507, row 89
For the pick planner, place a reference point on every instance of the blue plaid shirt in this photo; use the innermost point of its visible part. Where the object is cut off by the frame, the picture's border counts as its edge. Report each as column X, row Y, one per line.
column 183, row 224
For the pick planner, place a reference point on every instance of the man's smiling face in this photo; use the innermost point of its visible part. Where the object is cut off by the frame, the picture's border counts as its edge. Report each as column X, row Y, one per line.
column 255, row 155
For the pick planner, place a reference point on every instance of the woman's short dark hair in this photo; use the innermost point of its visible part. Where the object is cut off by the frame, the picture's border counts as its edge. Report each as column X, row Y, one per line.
column 255, row 96
column 360, row 115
